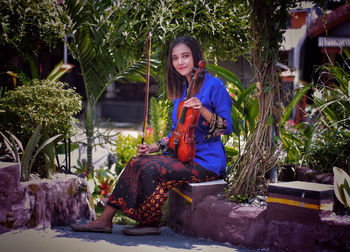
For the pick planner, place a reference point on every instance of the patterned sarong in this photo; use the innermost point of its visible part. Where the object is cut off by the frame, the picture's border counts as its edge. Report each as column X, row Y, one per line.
column 142, row 187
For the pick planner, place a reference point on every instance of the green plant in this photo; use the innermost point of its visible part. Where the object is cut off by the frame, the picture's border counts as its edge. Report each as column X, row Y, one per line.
column 158, row 118
column 244, row 114
column 341, row 186
column 27, row 26
column 26, row 157
column 296, row 143
column 44, row 101
column 104, row 183
column 245, row 109
column 125, row 148
column 330, row 143
column 102, row 59
column 329, row 149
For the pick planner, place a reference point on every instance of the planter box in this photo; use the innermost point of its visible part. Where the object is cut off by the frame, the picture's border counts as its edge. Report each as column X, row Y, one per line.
column 278, row 227
column 44, row 202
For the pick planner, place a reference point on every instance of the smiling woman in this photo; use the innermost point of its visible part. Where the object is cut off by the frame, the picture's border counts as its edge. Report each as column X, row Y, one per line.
column 142, row 187
column 183, row 61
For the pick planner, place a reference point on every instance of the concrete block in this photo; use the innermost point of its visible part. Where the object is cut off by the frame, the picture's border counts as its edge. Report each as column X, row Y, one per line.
column 184, row 201
column 298, row 201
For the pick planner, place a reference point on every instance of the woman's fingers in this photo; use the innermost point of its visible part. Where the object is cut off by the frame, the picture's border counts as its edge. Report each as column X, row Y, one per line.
column 193, row 102
column 142, row 149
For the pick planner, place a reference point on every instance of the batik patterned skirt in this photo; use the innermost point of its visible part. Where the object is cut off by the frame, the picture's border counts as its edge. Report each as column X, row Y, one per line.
column 142, row 188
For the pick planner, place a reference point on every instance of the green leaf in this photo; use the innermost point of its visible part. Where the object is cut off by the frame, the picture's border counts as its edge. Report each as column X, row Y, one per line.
column 230, row 151
column 291, row 105
column 28, row 152
column 60, row 149
column 270, row 120
column 59, row 70
column 267, row 89
column 341, row 189
column 226, row 74
column 42, row 146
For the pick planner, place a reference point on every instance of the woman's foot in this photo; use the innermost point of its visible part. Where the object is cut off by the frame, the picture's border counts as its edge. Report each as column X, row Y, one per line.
column 141, row 229
column 94, row 226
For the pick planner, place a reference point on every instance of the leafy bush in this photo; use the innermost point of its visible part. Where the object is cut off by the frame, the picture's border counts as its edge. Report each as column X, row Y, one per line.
column 125, row 148
column 329, row 150
column 26, row 21
column 44, row 102
column 159, row 118
column 331, row 140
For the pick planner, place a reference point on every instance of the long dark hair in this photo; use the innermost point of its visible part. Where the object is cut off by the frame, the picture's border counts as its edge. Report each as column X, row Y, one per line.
column 174, row 80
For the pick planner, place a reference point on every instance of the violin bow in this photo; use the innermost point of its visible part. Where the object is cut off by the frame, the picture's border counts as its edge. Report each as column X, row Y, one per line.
column 145, row 112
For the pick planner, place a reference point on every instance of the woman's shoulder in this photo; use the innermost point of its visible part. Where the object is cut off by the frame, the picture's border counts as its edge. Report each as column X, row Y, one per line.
column 213, row 82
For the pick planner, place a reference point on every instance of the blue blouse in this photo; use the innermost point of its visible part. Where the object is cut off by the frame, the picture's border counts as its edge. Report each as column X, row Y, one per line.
column 210, row 153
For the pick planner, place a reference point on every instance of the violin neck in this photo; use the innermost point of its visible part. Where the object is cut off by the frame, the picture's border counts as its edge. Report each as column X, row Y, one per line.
column 188, row 96
column 189, row 93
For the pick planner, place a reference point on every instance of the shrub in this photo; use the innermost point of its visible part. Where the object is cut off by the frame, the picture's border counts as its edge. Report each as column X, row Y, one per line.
column 44, row 102
column 329, row 150
column 125, row 148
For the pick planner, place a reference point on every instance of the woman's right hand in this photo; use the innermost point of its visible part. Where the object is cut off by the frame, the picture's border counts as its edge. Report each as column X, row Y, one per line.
column 143, row 149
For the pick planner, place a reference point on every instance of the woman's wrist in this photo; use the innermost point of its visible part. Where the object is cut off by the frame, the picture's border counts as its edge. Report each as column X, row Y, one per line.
column 154, row 147
column 205, row 113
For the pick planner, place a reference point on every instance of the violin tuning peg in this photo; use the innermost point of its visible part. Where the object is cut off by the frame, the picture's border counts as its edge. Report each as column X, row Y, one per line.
column 201, row 63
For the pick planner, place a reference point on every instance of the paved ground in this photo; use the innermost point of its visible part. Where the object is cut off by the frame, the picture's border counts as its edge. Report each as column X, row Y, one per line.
column 62, row 239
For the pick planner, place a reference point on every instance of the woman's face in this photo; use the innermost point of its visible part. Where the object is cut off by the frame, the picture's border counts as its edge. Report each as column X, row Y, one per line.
column 183, row 60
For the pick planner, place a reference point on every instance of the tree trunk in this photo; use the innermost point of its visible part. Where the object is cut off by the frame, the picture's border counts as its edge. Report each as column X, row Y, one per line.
column 89, row 131
column 261, row 150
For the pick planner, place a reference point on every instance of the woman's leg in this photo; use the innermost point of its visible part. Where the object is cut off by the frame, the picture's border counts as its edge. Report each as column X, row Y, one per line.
column 105, row 219
column 101, row 224
column 142, row 188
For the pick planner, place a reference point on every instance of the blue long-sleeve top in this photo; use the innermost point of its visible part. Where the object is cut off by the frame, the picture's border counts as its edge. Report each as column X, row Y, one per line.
column 210, row 153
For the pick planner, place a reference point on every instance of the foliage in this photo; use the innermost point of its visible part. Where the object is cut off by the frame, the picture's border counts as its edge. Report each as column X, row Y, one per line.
column 244, row 112
column 101, row 56
column 26, row 157
column 44, row 102
column 27, row 26
column 296, row 139
column 341, row 186
column 125, row 149
column 159, row 114
column 296, row 142
column 333, row 97
column 245, row 108
column 331, row 140
column 329, row 150
column 104, row 183
column 220, row 25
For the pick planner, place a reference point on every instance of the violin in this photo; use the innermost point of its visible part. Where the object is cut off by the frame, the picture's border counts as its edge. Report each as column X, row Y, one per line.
column 182, row 139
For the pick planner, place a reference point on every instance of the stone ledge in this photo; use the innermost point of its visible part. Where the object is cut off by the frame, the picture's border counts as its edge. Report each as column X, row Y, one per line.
column 215, row 218
column 44, row 202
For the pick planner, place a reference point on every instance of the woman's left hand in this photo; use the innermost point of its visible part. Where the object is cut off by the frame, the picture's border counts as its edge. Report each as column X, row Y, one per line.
column 193, row 102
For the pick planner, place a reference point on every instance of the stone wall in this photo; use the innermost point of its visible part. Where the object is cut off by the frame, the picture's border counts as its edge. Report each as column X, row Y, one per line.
column 61, row 200
column 276, row 227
